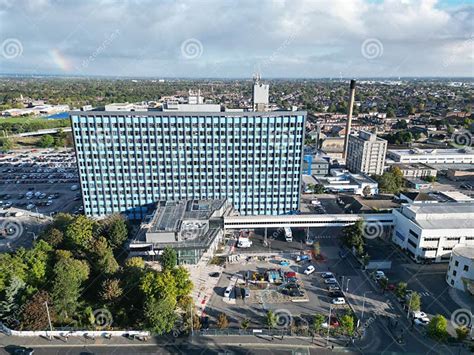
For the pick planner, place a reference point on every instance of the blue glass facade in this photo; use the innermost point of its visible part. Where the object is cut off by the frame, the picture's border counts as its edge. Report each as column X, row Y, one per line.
column 129, row 160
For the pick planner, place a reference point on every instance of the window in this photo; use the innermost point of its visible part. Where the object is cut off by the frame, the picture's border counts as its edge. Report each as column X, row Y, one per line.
column 456, row 263
column 466, row 268
column 413, row 234
column 454, row 272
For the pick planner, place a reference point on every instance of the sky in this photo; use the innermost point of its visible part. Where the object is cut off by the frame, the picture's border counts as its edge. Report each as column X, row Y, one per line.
column 237, row 38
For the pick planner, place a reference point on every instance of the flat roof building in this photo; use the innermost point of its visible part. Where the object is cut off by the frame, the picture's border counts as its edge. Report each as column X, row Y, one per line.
column 430, row 231
column 193, row 228
column 432, row 156
column 366, row 153
column 129, row 160
column 460, row 272
column 344, row 181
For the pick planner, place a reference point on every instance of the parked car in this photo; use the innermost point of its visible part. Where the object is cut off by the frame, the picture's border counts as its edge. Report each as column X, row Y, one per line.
column 330, row 281
column 246, row 292
column 339, row 300
column 228, row 291
column 214, row 274
column 309, row 270
column 379, row 275
column 422, row 321
column 327, row 275
column 334, row 288
column 336, row 294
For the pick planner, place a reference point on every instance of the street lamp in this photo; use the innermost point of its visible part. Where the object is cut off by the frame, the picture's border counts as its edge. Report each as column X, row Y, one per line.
column 49, row 319
column 347, row 285
column 34, row 235
column 329, row 324
column 363, row 305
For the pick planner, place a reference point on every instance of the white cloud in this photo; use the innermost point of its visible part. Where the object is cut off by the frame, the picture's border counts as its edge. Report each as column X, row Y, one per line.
column 293, row 38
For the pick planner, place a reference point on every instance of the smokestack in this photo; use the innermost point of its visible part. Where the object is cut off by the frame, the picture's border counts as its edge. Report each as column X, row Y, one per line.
column 349, row 117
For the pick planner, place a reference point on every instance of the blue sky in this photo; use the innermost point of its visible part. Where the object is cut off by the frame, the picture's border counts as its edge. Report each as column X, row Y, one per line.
column 236, row 38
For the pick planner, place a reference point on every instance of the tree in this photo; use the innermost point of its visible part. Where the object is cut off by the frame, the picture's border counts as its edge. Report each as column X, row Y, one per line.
column 160, row 315
column 159, row 284
column 6, row 144
column 135, row 262
column 401, row 289
column 318, row 189
column 193, row 322
column 462, row 333
column 168, row 259
column 347, row 324
column 430, row 178
column 46, row 141
column 69, row 274
column 391, row 181
column 414, row 302
column 222, row 321
column 34, row 316
column 184, row 284
column 79, row 233
column 53, row 237
column 116, row 231
column 11, row 265
column 103, row 257
column 271, row 320
column 437, row 328
column 383, row 284
column 353, row 236
column 11, row 295
column 316, row 249
column 318, row 321
column 245, row 323
column 111, row 290
column 37, row 262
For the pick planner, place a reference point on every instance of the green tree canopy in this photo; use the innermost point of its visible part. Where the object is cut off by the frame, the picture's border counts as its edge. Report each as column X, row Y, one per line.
column 168, row 259
column 46, row 141
column 391, row 181
column 160, row 314
column 437, row 328
column 69, row 274
column 414, row 302
column 79, row 233
column 103, row 257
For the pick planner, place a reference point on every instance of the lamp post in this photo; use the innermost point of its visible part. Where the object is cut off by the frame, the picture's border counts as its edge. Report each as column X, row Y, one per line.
column 49, row 319
column 363, row 305
column 329, row 325
column 347, row 285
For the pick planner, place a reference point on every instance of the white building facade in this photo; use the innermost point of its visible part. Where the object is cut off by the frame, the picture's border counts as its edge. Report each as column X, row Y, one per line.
column 366, row 153
column 432, row 156
column 429, row 232
column 461, row 267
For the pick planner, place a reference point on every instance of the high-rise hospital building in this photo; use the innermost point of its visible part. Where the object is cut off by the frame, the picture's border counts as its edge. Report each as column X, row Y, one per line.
column 128, row 160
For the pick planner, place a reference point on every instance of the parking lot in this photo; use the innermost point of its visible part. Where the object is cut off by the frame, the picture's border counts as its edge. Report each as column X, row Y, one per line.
column 42, row 181
column 315, row 297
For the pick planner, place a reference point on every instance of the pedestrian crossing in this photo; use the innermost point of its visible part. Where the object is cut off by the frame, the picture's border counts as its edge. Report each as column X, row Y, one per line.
column 425, row 294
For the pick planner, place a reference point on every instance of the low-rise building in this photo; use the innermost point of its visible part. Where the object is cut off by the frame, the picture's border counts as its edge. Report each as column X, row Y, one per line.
column 416, row 170
column 432, row 156
column 315, row 165
column 193, row 228
column 430, row 231
column 460, row 272
column 343, row 181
